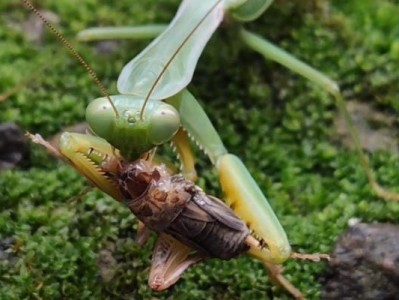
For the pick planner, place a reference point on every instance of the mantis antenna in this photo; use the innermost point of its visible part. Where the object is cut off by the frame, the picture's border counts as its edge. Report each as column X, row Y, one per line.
column 173, row 57
column 74, row 53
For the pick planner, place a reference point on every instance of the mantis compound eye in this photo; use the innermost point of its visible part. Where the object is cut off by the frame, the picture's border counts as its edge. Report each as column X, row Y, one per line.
column 101, row 117
column 163, row 124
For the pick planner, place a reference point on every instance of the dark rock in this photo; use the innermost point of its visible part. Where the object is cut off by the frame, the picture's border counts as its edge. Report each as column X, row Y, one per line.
column 364, row 264
column 13, row 147
column 6, row 250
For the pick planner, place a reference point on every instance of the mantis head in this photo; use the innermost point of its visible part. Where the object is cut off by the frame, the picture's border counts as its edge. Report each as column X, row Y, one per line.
column 127, row 129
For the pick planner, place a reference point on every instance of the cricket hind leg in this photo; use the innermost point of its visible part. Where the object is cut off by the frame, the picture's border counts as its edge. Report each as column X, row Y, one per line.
column 270, row 51
column 170, row 259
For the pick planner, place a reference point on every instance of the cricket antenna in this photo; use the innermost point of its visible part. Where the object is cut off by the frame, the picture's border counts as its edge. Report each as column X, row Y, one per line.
column 74, row 53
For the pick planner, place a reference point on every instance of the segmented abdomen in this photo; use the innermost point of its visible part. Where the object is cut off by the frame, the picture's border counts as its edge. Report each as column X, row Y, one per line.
column 171, row 204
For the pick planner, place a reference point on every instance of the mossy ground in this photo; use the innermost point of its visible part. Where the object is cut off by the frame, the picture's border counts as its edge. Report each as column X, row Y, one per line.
column 279, row 124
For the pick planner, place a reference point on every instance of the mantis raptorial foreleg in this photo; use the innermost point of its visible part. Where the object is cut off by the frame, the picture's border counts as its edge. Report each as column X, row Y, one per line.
column 241, row 191
column 171, row 258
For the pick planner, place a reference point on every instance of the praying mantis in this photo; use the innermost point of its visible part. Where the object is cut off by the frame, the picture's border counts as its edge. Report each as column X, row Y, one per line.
column 137, row 121
column 195, row 39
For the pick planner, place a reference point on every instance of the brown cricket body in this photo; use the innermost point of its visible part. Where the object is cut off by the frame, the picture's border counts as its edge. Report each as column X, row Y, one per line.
column 171, row 204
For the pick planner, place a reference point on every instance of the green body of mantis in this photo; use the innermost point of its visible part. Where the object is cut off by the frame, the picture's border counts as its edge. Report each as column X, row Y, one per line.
column 161, row 72
column 139, row 121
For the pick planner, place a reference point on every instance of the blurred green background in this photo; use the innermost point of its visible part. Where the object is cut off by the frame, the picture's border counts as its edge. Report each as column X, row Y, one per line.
column 281, row 126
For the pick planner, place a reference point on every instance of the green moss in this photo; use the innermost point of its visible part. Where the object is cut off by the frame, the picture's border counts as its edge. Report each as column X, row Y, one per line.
column 285, row 123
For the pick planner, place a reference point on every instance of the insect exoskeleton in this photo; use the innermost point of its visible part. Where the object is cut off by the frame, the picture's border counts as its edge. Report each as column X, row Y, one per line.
column 171, row 204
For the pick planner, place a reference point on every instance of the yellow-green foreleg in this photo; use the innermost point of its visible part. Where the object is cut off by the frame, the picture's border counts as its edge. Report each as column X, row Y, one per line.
column 88, row 155
column 245, row 197
column 241, row 191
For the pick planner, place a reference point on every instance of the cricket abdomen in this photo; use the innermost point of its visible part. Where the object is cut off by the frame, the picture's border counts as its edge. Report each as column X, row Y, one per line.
column 171, row 204
column 218, row 236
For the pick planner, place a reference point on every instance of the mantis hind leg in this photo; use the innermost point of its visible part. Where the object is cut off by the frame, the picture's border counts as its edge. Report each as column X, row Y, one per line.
column 275, row 273
column 270, row 51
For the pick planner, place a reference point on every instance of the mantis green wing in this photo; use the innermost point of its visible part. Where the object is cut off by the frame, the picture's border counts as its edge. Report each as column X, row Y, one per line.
column 167, row 65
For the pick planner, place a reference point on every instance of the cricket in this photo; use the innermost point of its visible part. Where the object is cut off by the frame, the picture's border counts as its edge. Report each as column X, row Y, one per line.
column 159, row 109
